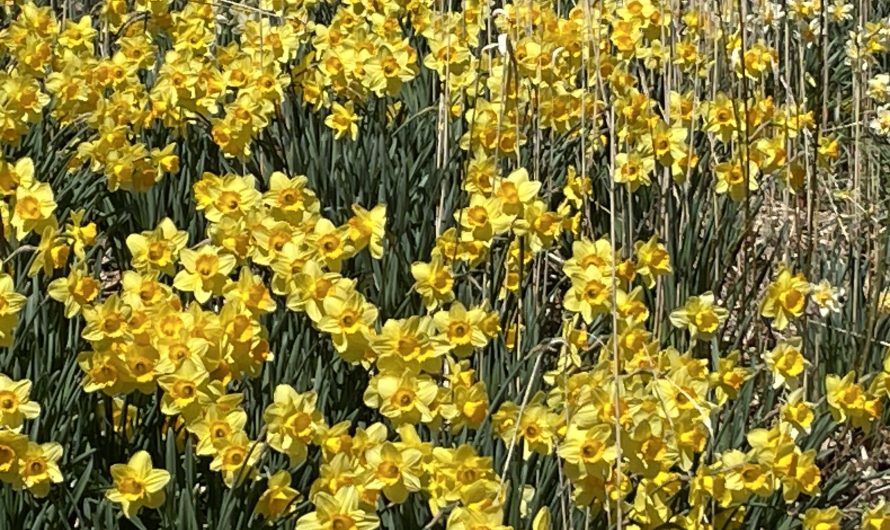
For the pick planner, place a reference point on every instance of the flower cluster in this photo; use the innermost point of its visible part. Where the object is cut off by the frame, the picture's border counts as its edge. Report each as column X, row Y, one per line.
column 635, row 363
column 24, row 463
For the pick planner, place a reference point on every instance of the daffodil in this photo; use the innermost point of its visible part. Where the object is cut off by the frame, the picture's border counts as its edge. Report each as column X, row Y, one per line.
column 485, row 217
column 82, row 234
column 434, row 282
column 12, row 447
column 516, row 191
column 653, row 260
column 586, row 252
column 729, row 377
column 348, row 318
column 786, row 363
column 341, row 510
column 701, row 316
column 15, row 403
column 137, row 484
column 367, row 229
column 786, row 298
column 308, row 288
column 107, row 323
column 11, row 304
column 14, row 175
column 798, row 412
column 411, row 340
column 76, row 291
column 461, row 328
column 633, row 170
column 251, row 292
column 236, row 458
column 535, row 426
column 228, row 197
column 52, row 252
column 577, row 187
column 184, row 389
column 158, row 249
column 822, row 518
column 395, row 471
column 737, row 178
column 876, row 517
column 590, row 294
column 745, row 478
column 468, row 407
column 400, row 394
column 588, row 447
column 215, row 427
column 165, row 159
column 469, row 518
column 34, row 207
column 290, row 197
column 279, row 499
column 39, row 467
column 343, row 121
column 331, row 243
column 826, row 297
column 293, row 422
column 848, row 399
column 204, row 272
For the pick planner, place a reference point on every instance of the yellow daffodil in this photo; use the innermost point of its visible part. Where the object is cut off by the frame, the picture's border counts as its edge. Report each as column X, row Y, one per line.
column 394, row 471
column 215, row 427
column 137, row 484
column 76, row 291
column 877, row 517
column 400, row 394
column 653, row 260
column 11, row 304
column 367, row 229
column 279, row 499
column 39, row 467
column 434, row 282
column 590, row 294
column 701, row 316
column 516, row 191
column 15, row 403
column 158, row 249
column 340, row 510
column 786, row 298
column 461, row 328
column 822, row 518
column 12, row 447
column 236, row 458
column 293, row 422
column 204, row 272
column 184, row 389
column 343, row 121
column 34, row 207
column 786, row 363
column 826, row 297
column 348, row 318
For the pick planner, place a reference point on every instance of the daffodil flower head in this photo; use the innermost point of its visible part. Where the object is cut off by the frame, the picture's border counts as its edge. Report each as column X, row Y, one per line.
column 340, row 511
column 279, row 499
column 701, row 316
column 137, row 484
column 785, row 298
column 205, row 271
column 293, row 422
column 786, row 362
column 15, row 403
column 39, row 467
